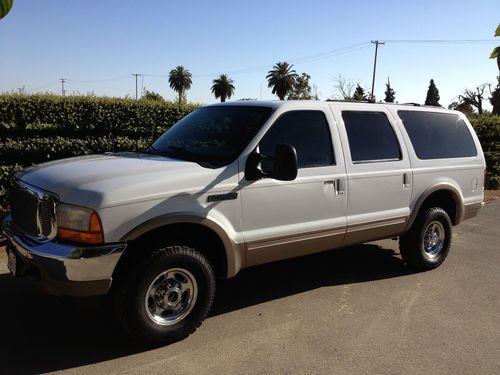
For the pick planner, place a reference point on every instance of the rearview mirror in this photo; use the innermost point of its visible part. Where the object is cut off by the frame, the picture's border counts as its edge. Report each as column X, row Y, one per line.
column 284, row 163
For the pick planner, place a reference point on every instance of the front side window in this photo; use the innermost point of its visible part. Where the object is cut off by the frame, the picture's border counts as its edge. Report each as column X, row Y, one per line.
column 437, row 135
column 371, row 137
column 307, row 131
column 212, row 136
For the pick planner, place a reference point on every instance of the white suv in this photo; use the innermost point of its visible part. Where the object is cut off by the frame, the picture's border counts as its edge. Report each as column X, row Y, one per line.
column 235, row 185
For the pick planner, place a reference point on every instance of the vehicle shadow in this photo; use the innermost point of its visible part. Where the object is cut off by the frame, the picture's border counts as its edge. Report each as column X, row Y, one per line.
column 41, row 333
column 355, row 264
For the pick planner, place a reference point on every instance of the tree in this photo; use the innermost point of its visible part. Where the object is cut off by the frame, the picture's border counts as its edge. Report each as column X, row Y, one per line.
column 359, row 93
column 180, row 81
column 223, row 87
column 462, row 106
column 151, row 95
column 302, row 88
column 390, row 94
column 495, row 99
column 475, row 98
column 432, row 95
column 5, row 6
column 281, row 79
column 495, row 54
column 343, row 88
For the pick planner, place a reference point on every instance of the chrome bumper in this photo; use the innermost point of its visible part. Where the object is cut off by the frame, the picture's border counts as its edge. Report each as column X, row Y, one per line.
column 61, row 268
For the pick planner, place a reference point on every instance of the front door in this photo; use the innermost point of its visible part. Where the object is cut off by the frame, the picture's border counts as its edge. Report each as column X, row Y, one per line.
column 283, row 219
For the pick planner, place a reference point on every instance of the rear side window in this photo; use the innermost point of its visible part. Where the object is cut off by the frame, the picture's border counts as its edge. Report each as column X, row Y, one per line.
column 371, row 137
column 307, row 131
column 438, row 135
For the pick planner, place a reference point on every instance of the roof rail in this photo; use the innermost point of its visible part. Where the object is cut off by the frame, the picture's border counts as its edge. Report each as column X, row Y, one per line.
column 350, row 101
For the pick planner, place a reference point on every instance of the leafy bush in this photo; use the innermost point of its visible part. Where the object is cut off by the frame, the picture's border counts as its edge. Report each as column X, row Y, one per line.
column 93, row 116
column 38, row 128
column 488, row 130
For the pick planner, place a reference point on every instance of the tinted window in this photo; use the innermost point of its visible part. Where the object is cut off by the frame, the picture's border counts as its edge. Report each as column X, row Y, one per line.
column 212, row 135
column 307, row 131
column 371, row 137
column 438, row 135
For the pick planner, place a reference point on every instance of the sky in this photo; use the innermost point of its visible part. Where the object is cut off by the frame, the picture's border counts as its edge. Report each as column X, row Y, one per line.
column 97, row 45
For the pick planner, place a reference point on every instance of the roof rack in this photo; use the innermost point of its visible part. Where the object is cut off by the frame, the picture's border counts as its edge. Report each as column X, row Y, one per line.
column 350, row 101
column 373, row 102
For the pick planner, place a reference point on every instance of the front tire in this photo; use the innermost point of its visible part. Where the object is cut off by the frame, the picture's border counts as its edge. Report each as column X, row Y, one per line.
column 426, row 245
column 166, row 296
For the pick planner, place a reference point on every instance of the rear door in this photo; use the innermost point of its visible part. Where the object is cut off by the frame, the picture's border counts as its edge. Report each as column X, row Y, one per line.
column 379, row 179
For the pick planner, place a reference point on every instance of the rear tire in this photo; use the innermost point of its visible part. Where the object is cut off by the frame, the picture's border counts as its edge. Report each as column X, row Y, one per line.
column 427, row 243
column 166, row 296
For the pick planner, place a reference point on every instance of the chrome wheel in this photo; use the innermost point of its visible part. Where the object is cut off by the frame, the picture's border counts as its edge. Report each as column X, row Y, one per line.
column 434, row 237
column 171, row 296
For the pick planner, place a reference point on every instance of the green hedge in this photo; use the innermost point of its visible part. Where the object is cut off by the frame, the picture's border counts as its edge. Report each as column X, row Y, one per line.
column 488, row 130
column 29, row 151
column 92, row 116
column 38, row 128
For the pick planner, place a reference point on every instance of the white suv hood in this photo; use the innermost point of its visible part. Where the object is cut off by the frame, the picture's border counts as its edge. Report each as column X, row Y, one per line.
column 99, row 181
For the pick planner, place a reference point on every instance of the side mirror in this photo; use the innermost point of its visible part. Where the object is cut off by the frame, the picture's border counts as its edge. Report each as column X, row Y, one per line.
column 284, row 164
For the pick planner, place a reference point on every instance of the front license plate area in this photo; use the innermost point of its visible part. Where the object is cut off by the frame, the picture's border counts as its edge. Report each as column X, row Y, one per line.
column 12, row 262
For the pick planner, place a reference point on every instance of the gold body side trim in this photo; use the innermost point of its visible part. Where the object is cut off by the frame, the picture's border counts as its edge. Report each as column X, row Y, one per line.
column 471, row 210
column 264, row 251
column 375, row 230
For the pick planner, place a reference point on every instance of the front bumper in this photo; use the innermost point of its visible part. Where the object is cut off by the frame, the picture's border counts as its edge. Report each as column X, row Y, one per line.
column 62, row 268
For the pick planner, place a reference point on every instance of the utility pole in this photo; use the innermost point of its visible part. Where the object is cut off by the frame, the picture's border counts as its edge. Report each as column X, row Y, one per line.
column 376, row 42
column 136, row 75
column 63, row 91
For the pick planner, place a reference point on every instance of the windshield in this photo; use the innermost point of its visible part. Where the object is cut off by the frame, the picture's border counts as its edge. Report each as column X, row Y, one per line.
column 212, row 136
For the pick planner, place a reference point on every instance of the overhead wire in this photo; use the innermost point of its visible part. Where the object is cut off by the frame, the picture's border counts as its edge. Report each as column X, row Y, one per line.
column 299, row 60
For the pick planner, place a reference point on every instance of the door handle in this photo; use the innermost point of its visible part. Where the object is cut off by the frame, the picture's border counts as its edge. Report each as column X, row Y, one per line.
column 339, row 185
column 406, row 180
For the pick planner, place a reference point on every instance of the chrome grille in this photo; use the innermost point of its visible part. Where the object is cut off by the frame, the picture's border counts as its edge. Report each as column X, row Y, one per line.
column 33, row 211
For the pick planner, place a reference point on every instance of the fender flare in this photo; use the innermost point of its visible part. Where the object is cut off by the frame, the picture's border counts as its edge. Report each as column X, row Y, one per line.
column 455, row 192
column 234, row 251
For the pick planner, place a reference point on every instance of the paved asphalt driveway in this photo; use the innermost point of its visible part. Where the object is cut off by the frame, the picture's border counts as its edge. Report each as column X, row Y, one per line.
column 355, row 310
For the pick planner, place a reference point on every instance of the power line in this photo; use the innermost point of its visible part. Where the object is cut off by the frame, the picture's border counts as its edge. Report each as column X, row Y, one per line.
column 337, row 52
column 45, row 85
column 95, row 86
column 254, row 69
column 100, row 80
column 299, row 60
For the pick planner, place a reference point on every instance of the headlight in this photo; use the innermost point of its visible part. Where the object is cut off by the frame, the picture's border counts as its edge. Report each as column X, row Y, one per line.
column 79, row 224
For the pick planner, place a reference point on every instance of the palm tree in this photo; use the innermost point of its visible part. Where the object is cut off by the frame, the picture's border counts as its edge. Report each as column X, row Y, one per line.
column 223, row 87
column 180, row 81
column 282, row 79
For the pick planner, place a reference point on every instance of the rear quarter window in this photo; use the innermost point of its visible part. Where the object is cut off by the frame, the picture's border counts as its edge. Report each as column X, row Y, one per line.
column 437, row 135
